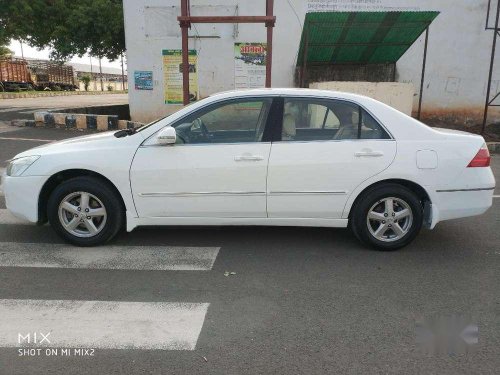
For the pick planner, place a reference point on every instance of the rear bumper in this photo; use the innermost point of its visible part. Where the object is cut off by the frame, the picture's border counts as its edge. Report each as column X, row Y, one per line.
column 21, row 196
column 455, row 204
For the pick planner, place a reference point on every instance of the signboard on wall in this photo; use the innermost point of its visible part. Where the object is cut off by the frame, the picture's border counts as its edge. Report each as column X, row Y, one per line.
column 172, row 75
column 143, row 80
column 358, row 6
column 250, row 65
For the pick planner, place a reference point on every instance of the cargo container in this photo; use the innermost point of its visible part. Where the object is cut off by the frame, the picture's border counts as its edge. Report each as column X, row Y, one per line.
column 14, row 75
column 48, row 74
column 20, row 75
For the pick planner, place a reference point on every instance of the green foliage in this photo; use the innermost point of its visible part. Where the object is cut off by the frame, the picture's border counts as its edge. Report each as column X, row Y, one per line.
column 5, row 51
column 109, row 87
column 86, row 81
column 68, row 27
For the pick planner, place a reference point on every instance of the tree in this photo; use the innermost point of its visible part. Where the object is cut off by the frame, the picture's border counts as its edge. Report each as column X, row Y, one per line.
column 86, row 81
column 67, row 27
column 5, row 51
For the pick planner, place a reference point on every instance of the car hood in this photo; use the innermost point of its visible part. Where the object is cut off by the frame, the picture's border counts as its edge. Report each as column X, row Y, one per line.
column 87, row 142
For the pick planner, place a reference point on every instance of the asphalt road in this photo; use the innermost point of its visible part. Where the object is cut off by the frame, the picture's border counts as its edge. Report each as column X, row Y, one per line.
column 23, row 108
column 301, row 301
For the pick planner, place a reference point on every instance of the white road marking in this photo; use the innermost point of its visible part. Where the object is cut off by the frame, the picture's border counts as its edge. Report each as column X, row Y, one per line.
column 101, row 324
column 26, row 139
column 496, row 196
column 7, row 218
column 163, row 258
column 2, row 170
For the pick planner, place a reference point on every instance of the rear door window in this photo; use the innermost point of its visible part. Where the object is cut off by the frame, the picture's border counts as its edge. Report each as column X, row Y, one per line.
column 313, row 119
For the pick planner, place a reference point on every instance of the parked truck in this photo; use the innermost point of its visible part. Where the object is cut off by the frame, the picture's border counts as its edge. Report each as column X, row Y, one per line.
column 14, row 75
column 22, row 75
column 51, row 75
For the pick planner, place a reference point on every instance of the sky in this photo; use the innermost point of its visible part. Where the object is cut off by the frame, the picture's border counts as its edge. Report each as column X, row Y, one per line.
column 44, row 54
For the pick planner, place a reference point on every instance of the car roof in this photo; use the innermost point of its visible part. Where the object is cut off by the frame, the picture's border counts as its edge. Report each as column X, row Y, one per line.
column 289, row 92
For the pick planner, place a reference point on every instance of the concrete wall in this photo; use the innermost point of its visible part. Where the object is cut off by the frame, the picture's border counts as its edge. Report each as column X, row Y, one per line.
column 96, row 86
column 458, row 58
column 397, row 95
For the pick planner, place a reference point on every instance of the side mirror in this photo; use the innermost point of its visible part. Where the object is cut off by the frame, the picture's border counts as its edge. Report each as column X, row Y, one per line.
column 167, row 136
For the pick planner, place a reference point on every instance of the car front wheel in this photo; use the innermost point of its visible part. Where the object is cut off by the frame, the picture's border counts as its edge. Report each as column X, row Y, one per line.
column 85, row 211
column 387, row 217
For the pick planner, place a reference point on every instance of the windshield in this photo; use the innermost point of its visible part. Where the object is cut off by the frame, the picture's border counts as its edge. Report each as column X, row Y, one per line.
column 148, row 125
column 158, row 120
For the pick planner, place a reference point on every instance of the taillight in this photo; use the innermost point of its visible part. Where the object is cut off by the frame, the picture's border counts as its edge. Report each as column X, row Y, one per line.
column 482, row 158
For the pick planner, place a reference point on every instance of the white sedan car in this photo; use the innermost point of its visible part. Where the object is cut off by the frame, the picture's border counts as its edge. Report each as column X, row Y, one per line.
column 286, row 157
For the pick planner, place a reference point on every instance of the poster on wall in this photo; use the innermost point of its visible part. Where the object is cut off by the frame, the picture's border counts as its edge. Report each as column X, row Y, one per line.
column 249, row 65
column 143, row 80
column 172, row 75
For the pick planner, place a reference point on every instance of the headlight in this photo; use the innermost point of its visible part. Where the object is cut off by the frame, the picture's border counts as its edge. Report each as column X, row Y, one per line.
column 18, row 166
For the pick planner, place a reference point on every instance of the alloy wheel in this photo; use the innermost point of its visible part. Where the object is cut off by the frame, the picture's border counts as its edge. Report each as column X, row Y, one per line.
column 390, row 219
column 82, row 214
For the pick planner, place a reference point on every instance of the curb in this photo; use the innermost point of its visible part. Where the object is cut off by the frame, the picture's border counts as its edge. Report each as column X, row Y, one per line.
column 56, row 93
column 77, row 121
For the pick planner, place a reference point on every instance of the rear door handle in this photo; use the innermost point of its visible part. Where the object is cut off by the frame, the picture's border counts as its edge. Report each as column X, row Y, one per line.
column 369, row 154
column 248, row 158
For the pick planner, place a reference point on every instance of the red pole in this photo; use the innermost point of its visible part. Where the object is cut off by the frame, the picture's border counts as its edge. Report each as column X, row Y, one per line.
column 304, row 60
column 269, row 55
column 185, row 53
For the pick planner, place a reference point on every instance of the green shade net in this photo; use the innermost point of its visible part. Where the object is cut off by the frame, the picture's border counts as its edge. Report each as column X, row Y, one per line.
column 360, row 37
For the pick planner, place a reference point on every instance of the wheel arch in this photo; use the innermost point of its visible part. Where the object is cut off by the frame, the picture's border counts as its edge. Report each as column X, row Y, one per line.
column 65, row 175
column 421, row 193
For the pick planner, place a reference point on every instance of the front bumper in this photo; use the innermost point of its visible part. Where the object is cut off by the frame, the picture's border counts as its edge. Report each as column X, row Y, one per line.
column 21, row 195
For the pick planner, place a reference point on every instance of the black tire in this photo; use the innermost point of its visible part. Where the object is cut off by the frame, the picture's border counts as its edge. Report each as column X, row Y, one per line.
column 101, row 190
column 359, row 217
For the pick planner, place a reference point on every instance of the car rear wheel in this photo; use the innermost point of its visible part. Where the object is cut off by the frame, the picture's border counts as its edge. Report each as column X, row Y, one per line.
column 387, row 217
column 85, row 211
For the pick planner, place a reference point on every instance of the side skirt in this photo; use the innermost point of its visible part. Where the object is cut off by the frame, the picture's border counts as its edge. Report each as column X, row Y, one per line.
column 132, row 222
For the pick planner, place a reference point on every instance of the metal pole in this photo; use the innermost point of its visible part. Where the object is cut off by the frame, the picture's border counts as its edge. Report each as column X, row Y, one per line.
column 123, row 75
column 22, row 51
column 422, row 78
column 304, row 59
column 492, row 64
column 488, row 15
column 269, row 52
column 100, row 73
column 185, row 53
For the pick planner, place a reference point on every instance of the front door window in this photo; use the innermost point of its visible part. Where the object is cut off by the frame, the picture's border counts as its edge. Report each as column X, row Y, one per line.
column 237, row 121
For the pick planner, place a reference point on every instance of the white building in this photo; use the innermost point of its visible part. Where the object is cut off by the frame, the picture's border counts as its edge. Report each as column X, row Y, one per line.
column 111, row 77
column 457, row 63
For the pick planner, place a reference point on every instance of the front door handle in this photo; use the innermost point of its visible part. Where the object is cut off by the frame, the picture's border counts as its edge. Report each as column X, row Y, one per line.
column 248, row 158
column 369, row 154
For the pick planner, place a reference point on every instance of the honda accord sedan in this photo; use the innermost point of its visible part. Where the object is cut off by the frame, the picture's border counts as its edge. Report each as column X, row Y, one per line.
column 282, row 157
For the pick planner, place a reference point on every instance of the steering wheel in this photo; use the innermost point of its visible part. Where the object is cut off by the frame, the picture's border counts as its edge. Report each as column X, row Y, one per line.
column 204, row 130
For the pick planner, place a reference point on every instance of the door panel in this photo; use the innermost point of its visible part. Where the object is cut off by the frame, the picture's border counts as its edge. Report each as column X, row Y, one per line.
column 203, row 180
column 218, row 168
column 314, row 179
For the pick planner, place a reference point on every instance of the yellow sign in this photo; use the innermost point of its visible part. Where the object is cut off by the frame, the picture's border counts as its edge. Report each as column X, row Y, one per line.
column 172, row 76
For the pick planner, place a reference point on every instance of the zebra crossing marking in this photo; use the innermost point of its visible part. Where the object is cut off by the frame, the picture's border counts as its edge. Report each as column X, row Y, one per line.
column 2, row 170
column 113, row 257
column 7, row 218
column 101, row 324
